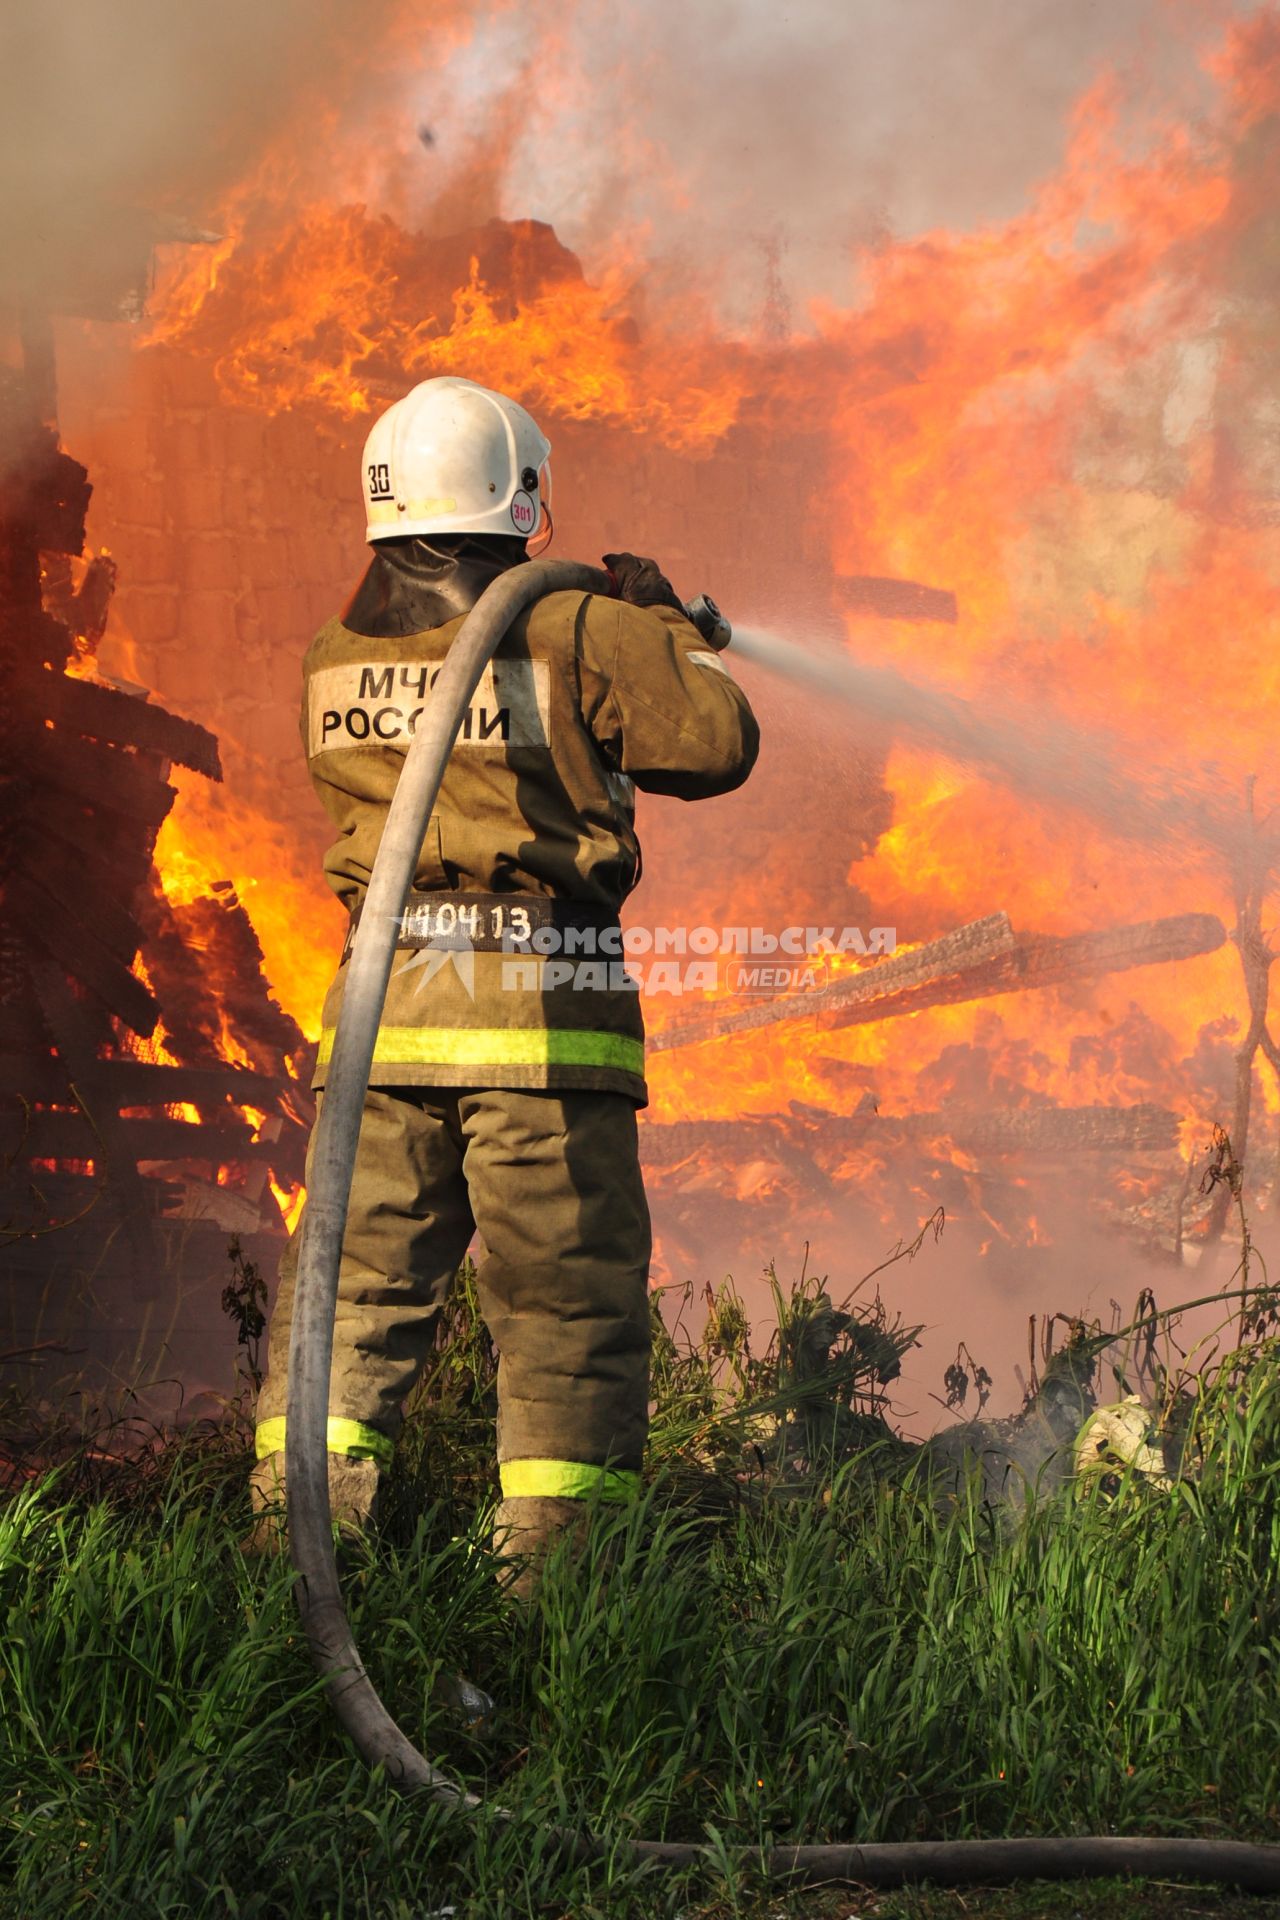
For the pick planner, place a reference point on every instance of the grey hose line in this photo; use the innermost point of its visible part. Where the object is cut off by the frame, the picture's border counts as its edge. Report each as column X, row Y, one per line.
column 352, row 1694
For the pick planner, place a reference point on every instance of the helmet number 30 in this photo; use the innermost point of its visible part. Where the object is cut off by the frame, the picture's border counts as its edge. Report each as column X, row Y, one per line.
column 380, row 481
column 524, row 514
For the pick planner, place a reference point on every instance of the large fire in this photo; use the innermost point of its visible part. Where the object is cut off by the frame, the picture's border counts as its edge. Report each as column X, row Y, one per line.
column 1066, row 419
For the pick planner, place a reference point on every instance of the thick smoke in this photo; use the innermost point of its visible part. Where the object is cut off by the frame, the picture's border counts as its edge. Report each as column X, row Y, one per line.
column 124, row 122
column 744, row 148
column 752, row 148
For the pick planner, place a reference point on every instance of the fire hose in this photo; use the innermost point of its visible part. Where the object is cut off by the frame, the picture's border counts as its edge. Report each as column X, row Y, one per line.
column 352, row 1695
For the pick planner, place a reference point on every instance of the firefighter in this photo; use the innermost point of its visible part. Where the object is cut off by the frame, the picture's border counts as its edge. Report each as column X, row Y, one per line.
column 509, row 1062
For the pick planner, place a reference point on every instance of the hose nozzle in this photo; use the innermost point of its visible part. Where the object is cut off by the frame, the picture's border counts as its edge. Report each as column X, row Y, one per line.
column 710, row 622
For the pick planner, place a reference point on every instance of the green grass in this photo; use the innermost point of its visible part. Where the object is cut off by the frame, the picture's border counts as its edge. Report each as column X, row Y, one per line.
column 787, row 1640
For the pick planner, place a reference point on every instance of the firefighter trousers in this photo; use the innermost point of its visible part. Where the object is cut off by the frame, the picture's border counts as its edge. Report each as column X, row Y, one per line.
column 552, row 1182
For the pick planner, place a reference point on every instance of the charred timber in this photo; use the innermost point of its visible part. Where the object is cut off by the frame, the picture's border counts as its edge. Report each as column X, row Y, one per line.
column 78, row 949
column 74, row 1034
column 62, row 1135
column 120, row 861
column 142, row 1083
column 101, row 776
column 1049, row 962
column 124, row 719
column 883, row 993
column 954, row 954
column 1144, row 1128
column 95, row 885
column 78, row 889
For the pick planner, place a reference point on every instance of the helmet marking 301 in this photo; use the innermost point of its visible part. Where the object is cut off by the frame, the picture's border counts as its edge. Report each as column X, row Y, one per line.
column 524, row 514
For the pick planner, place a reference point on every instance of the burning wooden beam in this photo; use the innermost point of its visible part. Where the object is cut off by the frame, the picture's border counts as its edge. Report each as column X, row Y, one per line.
column 1144, row 1128
column 991, row 964
column 104, row 713
column 953, row 955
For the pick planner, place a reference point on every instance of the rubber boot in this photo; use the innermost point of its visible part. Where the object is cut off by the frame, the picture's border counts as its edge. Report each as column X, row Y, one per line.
column 353, row 1501
column 526, row 1530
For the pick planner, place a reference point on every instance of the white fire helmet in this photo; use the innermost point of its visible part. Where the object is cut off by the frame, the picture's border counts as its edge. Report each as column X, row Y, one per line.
column 452, row 457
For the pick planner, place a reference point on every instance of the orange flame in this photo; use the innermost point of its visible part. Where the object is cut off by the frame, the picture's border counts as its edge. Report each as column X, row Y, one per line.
column 1062, row 417
column 340, row 310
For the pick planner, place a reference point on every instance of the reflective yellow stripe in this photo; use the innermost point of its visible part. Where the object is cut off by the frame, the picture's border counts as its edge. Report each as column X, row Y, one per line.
column 565, row 1480
column 499, row 1047
column 351, row 1437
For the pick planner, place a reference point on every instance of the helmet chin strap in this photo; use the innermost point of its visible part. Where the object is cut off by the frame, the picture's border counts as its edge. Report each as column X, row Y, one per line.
column 537, row 545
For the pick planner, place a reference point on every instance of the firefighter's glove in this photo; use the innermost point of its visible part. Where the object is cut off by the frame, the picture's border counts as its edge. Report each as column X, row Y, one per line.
column 640, row 582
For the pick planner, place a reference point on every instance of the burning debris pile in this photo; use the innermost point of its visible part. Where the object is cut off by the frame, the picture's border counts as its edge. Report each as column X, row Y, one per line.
column 150, row 1102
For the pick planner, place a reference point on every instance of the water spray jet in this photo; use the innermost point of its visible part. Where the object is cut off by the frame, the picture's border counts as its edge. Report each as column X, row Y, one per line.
column 1049, row 759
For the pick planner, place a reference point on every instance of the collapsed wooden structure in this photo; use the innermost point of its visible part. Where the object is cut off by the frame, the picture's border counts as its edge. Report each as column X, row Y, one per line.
column 109, row 1143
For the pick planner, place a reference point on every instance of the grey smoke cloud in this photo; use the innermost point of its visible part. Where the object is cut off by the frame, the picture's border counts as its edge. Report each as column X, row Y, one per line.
column 734, row 134
column 740, row 146
column 115, row 111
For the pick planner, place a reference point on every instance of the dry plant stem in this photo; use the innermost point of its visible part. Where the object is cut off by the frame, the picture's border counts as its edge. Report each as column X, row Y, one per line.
column 1253, row 879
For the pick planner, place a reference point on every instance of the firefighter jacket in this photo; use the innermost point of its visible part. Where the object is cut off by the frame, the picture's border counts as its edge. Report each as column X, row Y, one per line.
column 532, row 842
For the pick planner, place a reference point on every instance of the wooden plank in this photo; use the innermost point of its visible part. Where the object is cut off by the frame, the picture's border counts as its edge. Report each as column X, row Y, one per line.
column 1142, row 1128
column 78, row 950
column 46, row 1135
column 143, row 1083
column 122, row 859
column 879, row 994
column 109, row 780
column 104, row 713
column 1048, row 962
column 953, row 954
